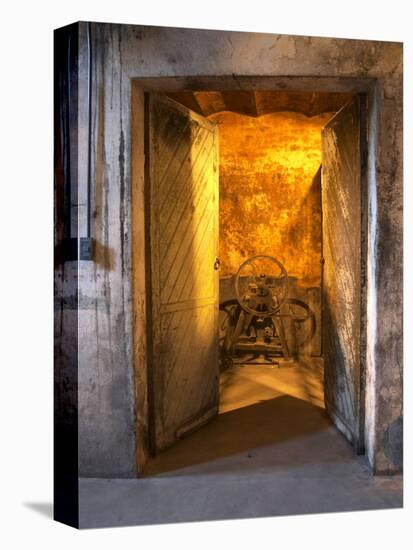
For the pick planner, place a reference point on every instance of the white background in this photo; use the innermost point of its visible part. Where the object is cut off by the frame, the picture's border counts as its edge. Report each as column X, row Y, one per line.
column 26, row 184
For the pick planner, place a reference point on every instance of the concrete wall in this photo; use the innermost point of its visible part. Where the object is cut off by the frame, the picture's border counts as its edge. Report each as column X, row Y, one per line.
column 109, row 357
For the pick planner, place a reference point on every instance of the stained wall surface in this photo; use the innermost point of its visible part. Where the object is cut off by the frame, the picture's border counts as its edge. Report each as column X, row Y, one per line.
column 270, row 200
column 112, row 307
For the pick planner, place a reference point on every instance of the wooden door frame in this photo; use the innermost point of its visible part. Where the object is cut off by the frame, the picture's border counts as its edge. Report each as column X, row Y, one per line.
column 141, row 311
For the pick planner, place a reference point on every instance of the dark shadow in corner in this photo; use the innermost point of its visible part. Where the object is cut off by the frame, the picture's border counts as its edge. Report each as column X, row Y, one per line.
column 43, row 508
column 265, row 424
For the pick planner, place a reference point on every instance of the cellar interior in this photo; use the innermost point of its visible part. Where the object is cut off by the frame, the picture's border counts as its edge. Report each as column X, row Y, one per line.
column 270, row 158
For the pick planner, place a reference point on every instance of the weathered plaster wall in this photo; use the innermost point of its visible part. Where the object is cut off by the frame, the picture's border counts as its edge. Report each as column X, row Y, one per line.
column 106, row 350
column 270, row 203
column 269, row 192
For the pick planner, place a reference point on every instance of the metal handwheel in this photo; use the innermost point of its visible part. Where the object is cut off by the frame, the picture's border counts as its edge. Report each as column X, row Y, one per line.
column 261, row 285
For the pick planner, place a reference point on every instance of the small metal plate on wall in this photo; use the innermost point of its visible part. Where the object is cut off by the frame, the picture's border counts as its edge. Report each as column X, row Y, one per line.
column 86, row 248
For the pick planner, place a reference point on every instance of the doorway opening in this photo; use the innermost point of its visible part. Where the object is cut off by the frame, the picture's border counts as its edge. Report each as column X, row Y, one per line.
column 254, row 207
column 270, row 205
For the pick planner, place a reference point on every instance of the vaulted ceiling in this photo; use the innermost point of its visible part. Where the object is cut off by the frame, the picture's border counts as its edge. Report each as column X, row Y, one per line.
column 255, row 103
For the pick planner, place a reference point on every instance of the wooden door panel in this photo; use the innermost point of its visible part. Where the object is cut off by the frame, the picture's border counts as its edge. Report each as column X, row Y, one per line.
column 343, row 251
column 183, row 233
column 184, row 328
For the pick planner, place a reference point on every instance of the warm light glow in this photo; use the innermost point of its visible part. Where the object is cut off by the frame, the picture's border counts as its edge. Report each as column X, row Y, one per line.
column 269, row 193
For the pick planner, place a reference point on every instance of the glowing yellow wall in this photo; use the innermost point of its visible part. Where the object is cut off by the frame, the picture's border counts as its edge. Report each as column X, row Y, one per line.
column 270, row 191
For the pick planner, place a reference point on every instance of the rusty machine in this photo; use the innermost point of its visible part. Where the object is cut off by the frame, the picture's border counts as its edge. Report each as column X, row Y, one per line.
column 259, row 325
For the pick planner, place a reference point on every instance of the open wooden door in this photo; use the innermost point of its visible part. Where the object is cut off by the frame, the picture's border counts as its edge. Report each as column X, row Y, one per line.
column 344, row 215
column 183, row 280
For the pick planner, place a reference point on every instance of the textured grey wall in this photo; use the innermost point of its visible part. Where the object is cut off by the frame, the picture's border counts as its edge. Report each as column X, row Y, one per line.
column 109, row 357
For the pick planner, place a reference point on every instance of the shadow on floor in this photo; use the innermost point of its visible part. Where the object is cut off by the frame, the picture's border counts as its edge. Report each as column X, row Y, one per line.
column 265, row 424
column 43, row 508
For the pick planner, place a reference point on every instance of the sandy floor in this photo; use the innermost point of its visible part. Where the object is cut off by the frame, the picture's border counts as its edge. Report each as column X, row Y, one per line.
column 244, row 385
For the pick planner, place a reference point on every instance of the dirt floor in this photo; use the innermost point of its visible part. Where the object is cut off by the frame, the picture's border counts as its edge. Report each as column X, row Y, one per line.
column 243, row 385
